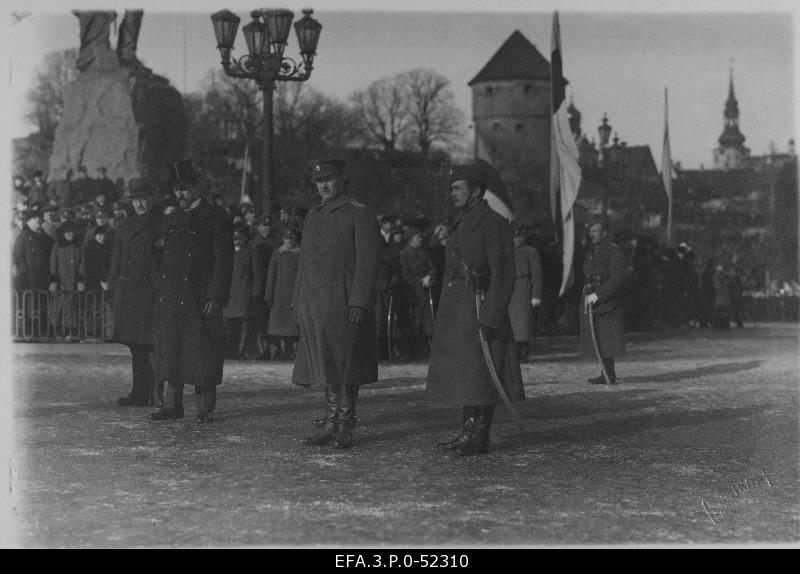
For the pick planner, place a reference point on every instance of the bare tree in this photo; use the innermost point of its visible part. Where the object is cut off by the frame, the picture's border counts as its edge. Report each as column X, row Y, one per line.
column 380, row 113
column 46, row 97
column 430, row 107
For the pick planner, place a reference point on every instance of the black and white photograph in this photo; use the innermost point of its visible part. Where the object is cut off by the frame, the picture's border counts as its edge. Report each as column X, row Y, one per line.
column 400, row 283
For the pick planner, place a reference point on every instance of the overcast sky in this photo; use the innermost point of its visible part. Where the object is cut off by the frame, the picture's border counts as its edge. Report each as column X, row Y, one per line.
column 617, row 61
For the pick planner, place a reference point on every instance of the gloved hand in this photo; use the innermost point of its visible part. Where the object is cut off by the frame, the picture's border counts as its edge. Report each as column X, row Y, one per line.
column 81, row 287
column 212, row 306
column 592, row 298
column 52, row 287
column 357, row 314
column 536, row 302
column 104, row 285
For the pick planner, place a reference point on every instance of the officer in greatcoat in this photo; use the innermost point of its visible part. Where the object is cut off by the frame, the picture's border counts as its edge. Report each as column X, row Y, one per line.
column 131, row 283
column 605, row 268
column 332, row 298
column 418, row 274
column 192, row 286
column 479, row 258
column 527, row 293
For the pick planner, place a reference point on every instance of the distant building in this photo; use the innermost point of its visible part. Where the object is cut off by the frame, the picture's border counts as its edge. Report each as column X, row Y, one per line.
column 731, row 152
column 511, row 115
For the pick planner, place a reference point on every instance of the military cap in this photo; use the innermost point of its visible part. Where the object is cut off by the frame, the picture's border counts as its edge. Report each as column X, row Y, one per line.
column 100, row 229
column 264, row 220
column 100, row 213
column 597, row 220
column 322, row 168
column 410, row 232
column 83, row 209
column 521, row 229
column 241, row 232
column 118, row 206
column 140, row 187
column 469, row 172
column 29, row 214
column 183, row 171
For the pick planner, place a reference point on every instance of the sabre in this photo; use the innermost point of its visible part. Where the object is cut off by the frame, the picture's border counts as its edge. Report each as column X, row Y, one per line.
column 588, row 308
column 389, row 326
column 430, row 302
column 487, row 355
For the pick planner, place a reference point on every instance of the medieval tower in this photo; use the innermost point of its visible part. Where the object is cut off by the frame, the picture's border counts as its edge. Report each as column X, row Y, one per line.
column 731, row 151
column 511, row 114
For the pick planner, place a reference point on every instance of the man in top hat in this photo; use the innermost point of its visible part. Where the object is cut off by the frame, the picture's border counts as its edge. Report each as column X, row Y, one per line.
column 131, row 281
column 479, row 262
column 333, row 301
column 605, row 268
column 194, row 279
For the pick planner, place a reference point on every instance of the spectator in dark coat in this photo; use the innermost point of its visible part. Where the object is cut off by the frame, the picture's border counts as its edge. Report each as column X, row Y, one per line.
column 418, row 274
column 103, row 185
column 239, row 309
column 194, row 280
column 527, row 293
column 37, row 192
column 95, row 264
column 131, row 282
column 262, row 245
column 386, row 286
column 83, row 187
column 65, row 264
column 62, row 190
column 722, row 299
column 736, row 295
column 278, row 294
column 32, row 252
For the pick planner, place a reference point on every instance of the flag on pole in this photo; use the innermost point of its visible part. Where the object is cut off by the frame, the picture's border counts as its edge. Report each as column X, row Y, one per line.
column 565, row 173
column 666, row 169
column 496, row 195
column 245, row 170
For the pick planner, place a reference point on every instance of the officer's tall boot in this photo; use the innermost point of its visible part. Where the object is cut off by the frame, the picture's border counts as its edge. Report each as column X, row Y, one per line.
column 608, row 363
column 468, row 417
column 346, row 416
column 328, row 431
column 157, row 394
column 242, row 340
column 173, row 404
column 478, row 442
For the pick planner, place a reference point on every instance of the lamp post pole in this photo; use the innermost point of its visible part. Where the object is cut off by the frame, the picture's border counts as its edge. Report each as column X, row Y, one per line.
column 266, row 37
column 604, row 131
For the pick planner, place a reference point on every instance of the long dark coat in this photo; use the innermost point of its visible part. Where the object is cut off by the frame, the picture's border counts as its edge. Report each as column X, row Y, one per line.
column 196, row 266
column 605, row 268
column 241, row 294
column 65, row 263
column 95, row 264
column 281, row 276
column 414, row 265
column 131, row 277
column 458, row 375
column 528, row 285
column 262, row 253
column 386, row 285
column 32, row 252
column 337, row 269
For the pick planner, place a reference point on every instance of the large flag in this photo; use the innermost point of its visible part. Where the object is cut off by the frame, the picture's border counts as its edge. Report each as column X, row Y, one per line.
column 666, row 170
column 565, row 173
column 496, row 195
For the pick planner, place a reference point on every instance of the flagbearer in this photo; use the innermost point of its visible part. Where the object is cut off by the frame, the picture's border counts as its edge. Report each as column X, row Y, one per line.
column 479, row 259
column 605, row 268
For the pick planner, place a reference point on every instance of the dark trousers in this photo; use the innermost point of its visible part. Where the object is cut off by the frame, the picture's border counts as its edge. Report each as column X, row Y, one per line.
column 143, row 374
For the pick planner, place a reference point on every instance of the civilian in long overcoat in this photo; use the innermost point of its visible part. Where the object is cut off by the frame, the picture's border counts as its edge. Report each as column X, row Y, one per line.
column 32, row 250
column 65, row 264
column 132, row 285
column 333, row 297
column 527, row 291
column 605, row 268
column 386, row 286
column 480, row 251
column 263, row 246
column 194, row 279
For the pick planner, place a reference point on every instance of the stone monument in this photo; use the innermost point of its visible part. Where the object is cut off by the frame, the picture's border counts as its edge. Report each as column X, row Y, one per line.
column 118, row 114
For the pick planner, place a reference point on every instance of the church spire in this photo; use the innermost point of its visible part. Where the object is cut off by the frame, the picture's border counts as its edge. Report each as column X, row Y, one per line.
column 731, row 136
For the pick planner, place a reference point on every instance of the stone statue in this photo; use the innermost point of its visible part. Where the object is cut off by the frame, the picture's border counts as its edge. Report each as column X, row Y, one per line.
column 95, row 48
column 128, row 38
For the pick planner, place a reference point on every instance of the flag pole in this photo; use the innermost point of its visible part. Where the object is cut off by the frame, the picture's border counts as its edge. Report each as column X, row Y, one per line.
column 666, row 168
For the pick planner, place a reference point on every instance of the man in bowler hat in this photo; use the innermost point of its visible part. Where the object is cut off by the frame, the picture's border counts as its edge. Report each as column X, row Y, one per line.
column 479, row 261
column 131, row 283
column 332, row 298
column 192, row 286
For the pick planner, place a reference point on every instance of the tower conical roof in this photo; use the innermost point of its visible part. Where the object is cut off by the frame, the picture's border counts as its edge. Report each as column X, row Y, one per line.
column 516, row 59
column 731, row 136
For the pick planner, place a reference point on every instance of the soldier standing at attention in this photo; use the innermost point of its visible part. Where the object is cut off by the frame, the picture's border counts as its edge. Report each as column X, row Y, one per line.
column 605, row 268
column 479, row 259
column 332, row 299
column 527, row 292
column 194, row 279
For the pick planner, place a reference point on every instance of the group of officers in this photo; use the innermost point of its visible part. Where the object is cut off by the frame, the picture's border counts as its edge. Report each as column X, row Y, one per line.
column 180, row 266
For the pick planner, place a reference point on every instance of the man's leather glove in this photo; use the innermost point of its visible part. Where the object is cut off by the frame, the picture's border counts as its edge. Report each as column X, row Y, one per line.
column 211, row 307
column 357, row 314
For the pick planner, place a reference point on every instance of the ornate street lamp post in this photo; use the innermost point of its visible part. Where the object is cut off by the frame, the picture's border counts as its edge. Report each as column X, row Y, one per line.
column 610, row 160
column 266, row 37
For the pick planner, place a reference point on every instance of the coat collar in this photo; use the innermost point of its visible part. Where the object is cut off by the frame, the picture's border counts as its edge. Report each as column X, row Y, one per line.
column 471, row 218
column 334, row 204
